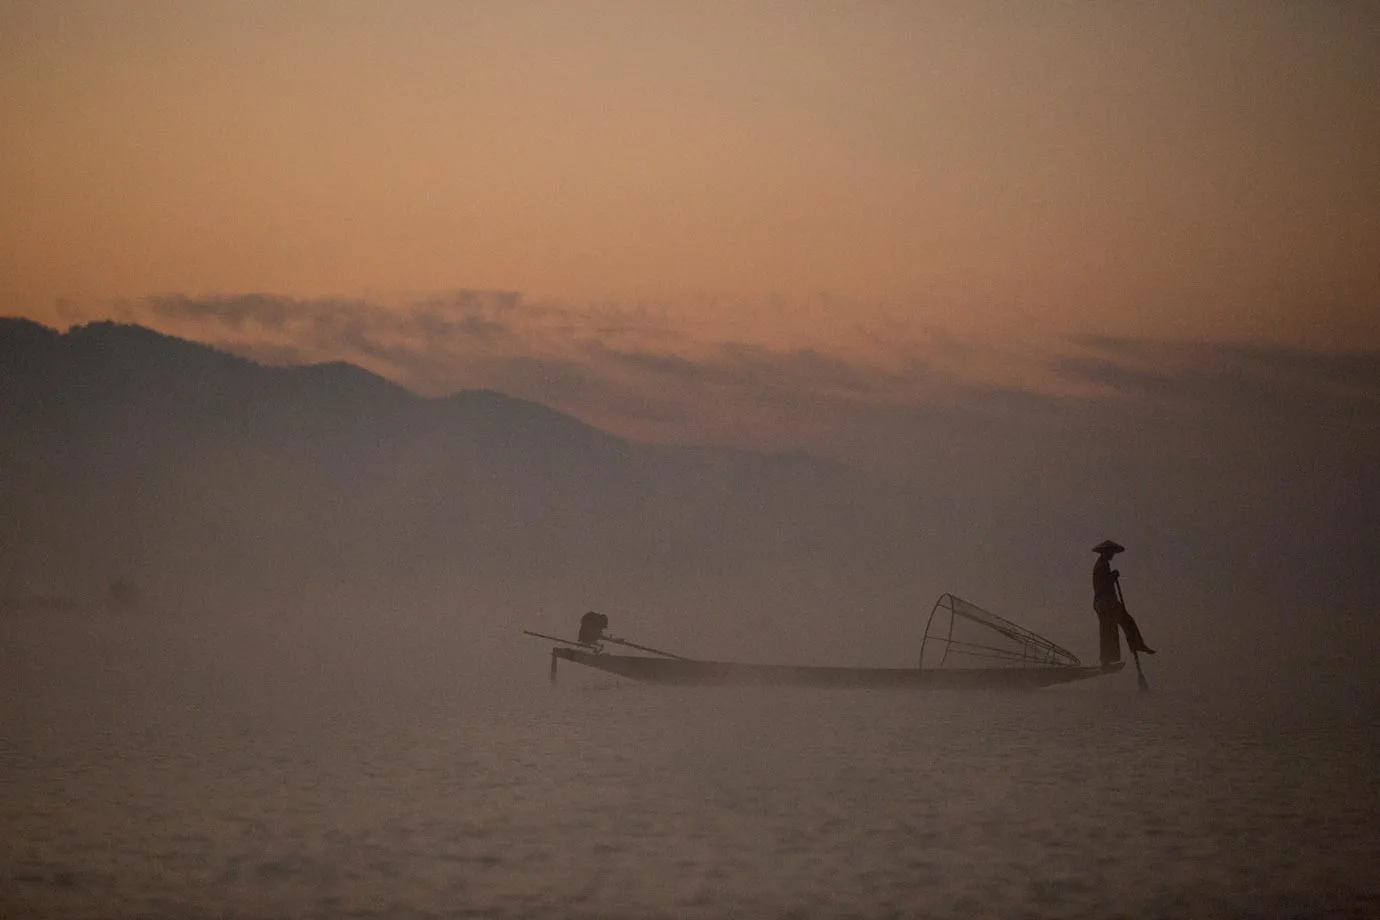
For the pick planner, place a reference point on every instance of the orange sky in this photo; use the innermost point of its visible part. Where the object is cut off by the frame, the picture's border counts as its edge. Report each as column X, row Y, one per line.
column 783, row 174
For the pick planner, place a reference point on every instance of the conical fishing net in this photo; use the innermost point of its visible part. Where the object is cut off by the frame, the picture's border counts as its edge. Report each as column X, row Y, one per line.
column 963, row 635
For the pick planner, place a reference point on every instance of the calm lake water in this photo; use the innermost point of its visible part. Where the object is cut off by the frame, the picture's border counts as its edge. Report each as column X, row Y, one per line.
column 182, row 791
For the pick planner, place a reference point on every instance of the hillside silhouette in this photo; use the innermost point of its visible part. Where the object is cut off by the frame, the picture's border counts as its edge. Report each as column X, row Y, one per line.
column 212, row 482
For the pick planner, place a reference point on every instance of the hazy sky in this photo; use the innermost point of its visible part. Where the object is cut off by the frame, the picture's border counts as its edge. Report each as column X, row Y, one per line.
column 795, row 190
column 1074, row 270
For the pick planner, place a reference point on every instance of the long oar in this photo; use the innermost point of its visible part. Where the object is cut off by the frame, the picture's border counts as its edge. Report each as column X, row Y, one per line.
column 1140, row 675
column 644, row 648
column 528, row 632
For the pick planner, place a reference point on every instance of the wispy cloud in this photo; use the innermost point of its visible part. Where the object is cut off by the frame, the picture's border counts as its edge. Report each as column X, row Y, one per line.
column 338, row 328
column 636, row 371
column 1265, row 379
column 628, row 367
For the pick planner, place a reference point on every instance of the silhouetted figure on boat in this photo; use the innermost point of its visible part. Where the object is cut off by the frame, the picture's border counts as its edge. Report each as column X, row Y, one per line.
column 592, row 626
column 1111, row 611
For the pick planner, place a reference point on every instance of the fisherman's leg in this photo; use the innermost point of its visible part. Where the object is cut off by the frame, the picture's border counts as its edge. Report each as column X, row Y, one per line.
column 1108, row 638
column 1133, row 636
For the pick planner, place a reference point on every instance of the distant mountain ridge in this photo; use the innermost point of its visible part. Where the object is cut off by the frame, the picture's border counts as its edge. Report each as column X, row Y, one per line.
column 105, row 362
column 197, row 474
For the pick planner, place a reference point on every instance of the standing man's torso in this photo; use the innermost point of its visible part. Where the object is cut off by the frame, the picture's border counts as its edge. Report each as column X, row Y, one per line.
column 1104, row 582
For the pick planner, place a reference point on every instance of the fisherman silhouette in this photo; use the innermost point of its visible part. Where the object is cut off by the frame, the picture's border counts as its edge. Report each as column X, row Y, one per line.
column 592, row 626
column 1111, row 611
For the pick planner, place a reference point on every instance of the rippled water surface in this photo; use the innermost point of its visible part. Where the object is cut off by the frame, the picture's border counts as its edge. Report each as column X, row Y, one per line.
column 593, row 799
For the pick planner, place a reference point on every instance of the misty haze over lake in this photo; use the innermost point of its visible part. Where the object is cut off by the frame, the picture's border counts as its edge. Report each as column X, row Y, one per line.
column 262, row 657
column 196, row 768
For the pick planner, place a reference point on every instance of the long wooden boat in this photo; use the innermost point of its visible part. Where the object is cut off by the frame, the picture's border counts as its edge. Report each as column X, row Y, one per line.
column 964, row 648
column 726, row 673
